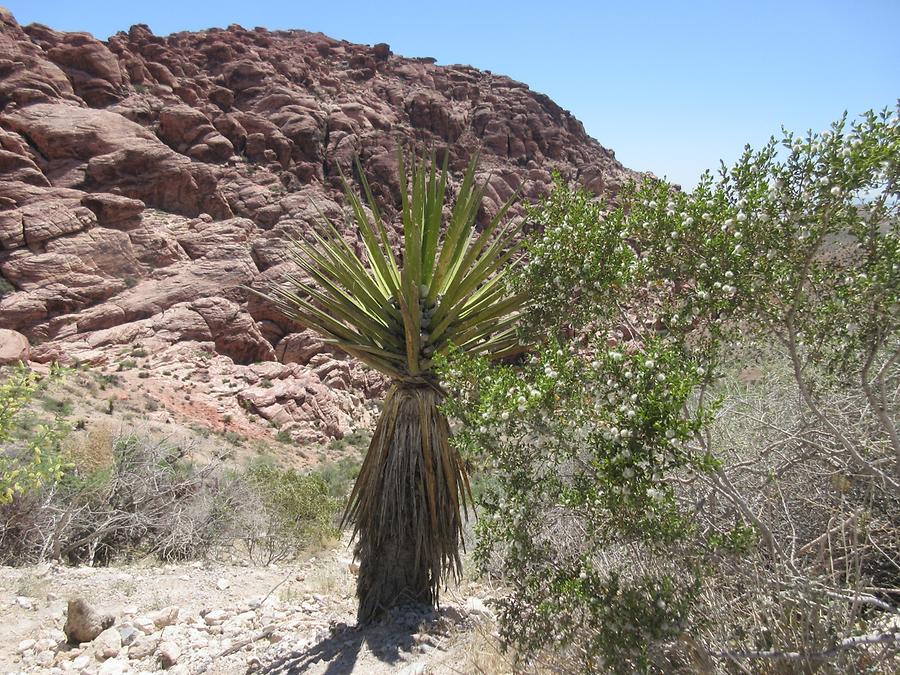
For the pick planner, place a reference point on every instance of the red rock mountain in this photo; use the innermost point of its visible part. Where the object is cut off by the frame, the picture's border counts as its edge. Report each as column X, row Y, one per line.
column 145, row 179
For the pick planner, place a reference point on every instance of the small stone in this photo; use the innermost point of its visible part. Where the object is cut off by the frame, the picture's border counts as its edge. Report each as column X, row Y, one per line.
column 45, row 644
column 108, row 644
column 44, row 659
column 113, row 667
column 165, row 617
column 145, row 625
column 129, row 634
column 223, row 584
column 81, row 662
column 142, row 648
column 24, row 603
column 25, row 645
column 215, row 617
column 169, row 653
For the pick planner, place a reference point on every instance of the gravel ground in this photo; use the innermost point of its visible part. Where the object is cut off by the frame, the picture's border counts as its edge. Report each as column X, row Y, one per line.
column 210, row 617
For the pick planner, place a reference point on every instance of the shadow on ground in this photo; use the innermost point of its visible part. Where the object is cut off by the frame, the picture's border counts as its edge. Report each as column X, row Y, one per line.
column 392, row 642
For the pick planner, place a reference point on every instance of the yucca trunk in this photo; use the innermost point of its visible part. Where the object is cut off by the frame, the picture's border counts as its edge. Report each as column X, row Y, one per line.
column 406, row 504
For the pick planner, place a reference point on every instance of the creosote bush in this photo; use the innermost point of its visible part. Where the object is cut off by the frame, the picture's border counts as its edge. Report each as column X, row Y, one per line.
column 651, row 507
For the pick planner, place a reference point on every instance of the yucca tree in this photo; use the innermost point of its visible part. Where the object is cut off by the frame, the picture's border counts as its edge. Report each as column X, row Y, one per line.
column 446, row 289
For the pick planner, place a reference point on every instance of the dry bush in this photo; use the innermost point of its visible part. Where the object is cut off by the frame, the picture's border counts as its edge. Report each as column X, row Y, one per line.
column 92, row 449
column 821, row 576
column 149, row 500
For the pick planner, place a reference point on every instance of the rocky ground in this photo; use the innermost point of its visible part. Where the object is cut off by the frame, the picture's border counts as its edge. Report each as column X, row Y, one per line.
column 210, row 617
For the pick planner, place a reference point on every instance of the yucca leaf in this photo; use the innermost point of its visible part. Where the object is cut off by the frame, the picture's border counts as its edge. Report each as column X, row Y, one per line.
column 433, row 217
column 381, row 268
column 379, row 224
column 456, row 230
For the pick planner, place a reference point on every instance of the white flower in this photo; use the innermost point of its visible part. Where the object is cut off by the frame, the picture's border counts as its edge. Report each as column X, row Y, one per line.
column 741, row 216
column 836, row 191
column 660, row 377
column 729, row 274
column 649, row 363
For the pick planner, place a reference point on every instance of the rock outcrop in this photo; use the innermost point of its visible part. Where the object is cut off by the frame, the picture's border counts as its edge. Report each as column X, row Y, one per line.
column 147, row 182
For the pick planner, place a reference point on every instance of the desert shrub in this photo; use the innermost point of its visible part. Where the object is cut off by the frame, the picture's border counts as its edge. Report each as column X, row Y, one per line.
column 648, row 509
column 126, row 496
column 339, row 475
column 297, row 513
column 28, row 464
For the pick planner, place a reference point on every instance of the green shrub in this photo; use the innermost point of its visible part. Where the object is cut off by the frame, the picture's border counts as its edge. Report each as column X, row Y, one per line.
column 339, row 476
column 642, row 515
column 36, row 461
column 298, row 513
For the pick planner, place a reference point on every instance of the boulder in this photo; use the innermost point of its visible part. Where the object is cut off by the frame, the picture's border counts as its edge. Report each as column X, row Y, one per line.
column 14, row 347
column 84, row 623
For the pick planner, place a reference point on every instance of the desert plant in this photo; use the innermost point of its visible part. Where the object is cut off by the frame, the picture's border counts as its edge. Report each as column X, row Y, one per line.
column 656, row 516
column 407, row 504
column 297, row 512
column 28, row 465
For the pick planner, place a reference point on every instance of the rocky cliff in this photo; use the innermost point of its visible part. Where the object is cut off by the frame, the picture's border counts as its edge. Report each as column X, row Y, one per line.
column 144, row 180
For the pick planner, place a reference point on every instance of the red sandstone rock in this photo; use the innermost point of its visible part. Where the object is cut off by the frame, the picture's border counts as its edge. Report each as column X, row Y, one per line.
column 145, row 180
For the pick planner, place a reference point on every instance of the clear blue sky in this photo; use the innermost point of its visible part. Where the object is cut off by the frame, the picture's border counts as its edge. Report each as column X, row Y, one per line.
column 671, row 86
